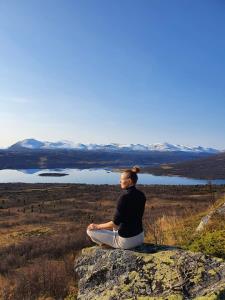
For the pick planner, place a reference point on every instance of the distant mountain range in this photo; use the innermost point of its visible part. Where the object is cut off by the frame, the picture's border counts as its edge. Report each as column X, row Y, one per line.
column 157, row 158
column 33, row 144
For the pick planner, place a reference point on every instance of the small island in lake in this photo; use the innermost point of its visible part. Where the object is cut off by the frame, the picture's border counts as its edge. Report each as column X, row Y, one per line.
column 53, row 174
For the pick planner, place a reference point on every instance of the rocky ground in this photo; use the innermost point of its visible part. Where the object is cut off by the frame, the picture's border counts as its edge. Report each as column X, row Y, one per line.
column 149, row 272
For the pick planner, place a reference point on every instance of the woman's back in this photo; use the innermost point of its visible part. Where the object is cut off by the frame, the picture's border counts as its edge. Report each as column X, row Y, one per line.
column 129, row 212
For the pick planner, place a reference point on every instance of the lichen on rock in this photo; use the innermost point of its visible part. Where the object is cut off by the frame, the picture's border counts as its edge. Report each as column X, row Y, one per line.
column 149, row 272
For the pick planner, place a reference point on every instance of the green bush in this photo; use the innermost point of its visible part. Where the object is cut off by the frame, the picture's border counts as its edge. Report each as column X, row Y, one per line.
column 211, row 243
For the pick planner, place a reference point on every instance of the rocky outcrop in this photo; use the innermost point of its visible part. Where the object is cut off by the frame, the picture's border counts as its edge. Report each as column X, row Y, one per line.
column 205, row 220
column 148, row 272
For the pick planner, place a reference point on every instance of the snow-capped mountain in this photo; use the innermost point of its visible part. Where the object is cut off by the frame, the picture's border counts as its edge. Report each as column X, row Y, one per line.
column 65, row 144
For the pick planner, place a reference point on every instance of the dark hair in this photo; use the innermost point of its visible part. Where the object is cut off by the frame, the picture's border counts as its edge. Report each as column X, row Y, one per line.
column 132, row 173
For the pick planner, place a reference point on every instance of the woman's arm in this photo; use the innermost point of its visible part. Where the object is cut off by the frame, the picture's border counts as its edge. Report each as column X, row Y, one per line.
column 108, row 225
column 118, row 216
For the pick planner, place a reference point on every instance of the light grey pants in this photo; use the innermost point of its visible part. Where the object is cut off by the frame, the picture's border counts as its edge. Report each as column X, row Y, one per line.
column 113, row 239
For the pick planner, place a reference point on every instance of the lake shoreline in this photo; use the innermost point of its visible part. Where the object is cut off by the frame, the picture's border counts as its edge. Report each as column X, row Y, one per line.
column 94, row 176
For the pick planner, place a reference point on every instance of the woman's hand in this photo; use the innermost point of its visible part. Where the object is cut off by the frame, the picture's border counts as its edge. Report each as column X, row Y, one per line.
column 93, row 226
column 109, row 225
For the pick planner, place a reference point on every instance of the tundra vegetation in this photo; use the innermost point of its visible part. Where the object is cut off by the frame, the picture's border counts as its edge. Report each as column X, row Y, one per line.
column 43, row 228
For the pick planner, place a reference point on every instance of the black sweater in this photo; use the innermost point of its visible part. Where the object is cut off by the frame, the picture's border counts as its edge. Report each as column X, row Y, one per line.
column 129, row 212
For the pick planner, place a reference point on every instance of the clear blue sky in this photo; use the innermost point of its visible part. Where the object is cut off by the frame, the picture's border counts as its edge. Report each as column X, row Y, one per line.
column 123, row 71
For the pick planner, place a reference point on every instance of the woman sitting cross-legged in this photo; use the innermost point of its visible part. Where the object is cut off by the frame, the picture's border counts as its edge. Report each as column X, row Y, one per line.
column 125, row 231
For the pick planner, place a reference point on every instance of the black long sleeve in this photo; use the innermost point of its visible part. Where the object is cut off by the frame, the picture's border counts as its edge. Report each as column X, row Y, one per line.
column 129, row 212
column 120, row 212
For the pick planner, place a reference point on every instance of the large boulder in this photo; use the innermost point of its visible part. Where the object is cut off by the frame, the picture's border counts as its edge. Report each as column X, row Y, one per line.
column 148, row 272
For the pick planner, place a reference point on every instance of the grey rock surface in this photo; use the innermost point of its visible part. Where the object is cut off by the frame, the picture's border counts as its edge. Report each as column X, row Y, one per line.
column 149, row 272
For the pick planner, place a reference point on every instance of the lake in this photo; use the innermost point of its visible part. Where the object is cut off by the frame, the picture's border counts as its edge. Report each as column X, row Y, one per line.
column 91, row 176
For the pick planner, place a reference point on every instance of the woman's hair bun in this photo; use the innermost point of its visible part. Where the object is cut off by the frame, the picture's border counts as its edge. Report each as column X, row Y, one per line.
column 135, row 169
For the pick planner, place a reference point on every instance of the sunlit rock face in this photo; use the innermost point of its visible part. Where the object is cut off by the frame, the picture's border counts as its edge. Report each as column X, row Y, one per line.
column 219, row 211
column 148, row 272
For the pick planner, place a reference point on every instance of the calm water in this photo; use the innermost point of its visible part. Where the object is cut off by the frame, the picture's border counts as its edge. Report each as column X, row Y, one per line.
column 91, row 176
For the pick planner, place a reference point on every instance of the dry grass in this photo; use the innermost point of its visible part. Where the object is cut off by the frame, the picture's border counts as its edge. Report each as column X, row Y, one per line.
column 176, row 230
column 43, row 226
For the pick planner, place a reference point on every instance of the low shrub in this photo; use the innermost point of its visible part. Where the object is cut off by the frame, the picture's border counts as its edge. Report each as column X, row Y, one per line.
column 211, row 243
